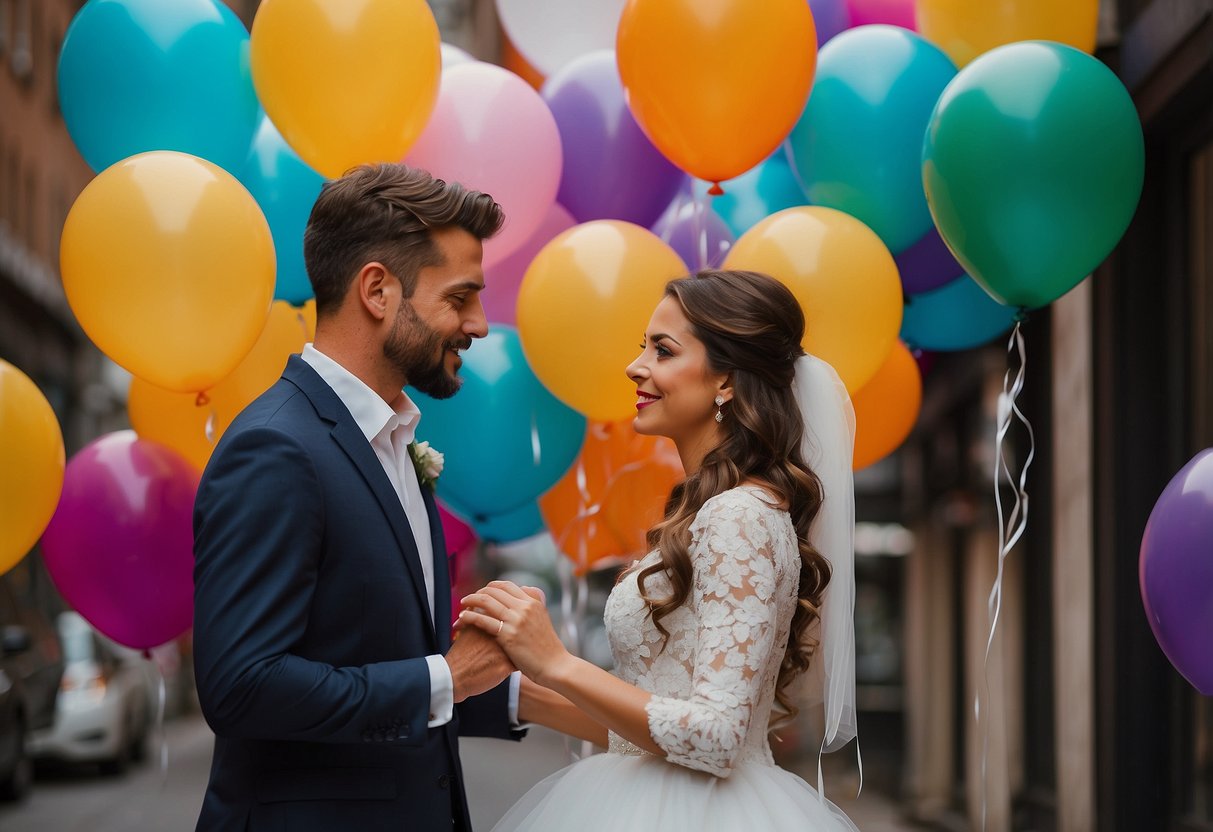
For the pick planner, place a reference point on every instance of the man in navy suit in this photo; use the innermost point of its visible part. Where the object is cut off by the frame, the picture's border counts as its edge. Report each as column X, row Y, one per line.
column 322, row 642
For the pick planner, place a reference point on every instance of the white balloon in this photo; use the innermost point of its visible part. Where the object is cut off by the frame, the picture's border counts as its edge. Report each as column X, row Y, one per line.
column 454, row 56
column 550, row 33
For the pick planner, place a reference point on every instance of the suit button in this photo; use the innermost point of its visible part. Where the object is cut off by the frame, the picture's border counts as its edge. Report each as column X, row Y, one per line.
column 444, row 781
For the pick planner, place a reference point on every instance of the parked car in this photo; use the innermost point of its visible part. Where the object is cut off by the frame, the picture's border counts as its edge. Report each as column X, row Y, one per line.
column 31, row 665
column 103, row 713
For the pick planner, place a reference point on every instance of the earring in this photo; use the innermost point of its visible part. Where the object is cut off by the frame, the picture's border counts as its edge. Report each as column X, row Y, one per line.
column 719, row 404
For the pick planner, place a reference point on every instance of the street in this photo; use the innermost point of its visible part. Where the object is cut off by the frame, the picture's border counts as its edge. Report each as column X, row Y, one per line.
column 145, row 799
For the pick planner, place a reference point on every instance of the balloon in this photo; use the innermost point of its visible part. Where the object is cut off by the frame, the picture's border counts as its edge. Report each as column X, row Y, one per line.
column 168, row 265
column 611, row 495
column 454, row 56
column 492, row 132
column 830, row 17
column 457, row 534
column 927, row 264
column 516, row 524
column 611, row 170
column 844, row 278
column 709, row 111
column 596, row 284
column 858, row 144
column 347, row 81
column 512, row 60
column 179, row 422
column 892, row 12
column 759, row 192
column 1032, row 166
column 120, row 548
column 1176, row 571
column 31, row 464
column 507, row 440
column 886, row 408
column 552, row 35
column 286, row 189
column 502, row 279
column 137, row 75
column 965, row 29
column 697, row 233
column 956, row 316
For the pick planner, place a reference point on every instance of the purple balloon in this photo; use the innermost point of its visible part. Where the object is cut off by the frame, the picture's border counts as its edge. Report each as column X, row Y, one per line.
column 697, row 233
column 120, row 547
column 927, row 264
column 611, row 169
column 830, row 17
column 1176, row 571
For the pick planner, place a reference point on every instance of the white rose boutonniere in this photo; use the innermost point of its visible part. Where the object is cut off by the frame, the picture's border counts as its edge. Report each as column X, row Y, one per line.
column 427, row 461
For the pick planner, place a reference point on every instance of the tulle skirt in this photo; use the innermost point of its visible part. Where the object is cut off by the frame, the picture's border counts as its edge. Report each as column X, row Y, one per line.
column 613, row 792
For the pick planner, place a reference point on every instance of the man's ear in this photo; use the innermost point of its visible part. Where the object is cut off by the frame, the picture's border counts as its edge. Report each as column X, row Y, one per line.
column 373, row 284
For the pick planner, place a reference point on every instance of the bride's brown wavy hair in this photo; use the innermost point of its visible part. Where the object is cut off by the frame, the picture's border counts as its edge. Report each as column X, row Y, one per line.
column 751, row 326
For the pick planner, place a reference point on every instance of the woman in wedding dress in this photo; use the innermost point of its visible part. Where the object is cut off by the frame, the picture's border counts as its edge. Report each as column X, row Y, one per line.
column 713, row 631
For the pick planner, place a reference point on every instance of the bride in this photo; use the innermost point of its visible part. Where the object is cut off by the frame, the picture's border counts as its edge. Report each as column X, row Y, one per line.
column 727, row 623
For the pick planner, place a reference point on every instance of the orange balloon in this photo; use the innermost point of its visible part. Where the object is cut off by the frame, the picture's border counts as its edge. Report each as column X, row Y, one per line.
column 886, row 408
column 178, row 421
column 513, row 60
column 717, row 85
column 844, row 277
column 587, row 510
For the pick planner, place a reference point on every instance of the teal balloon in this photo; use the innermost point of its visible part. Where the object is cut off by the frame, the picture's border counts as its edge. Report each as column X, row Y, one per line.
column 956, row 316
column 506, row 439
column 518, row 524
column 285, row 188
column 759, row 192
column 858, row 143
column 1033, row 167
column 138, row 75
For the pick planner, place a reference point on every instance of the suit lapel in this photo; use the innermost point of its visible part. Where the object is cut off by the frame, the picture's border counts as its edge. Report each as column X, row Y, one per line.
column 350, row 438
column 442, row 572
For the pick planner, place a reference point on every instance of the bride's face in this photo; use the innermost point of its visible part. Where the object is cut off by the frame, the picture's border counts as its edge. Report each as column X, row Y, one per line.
column 675, row 389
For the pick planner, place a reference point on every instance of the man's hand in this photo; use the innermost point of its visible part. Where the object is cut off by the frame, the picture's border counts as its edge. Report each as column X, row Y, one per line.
column 477, row 664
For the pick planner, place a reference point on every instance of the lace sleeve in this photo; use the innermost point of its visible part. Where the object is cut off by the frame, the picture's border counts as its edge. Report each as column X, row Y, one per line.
column 735, row 601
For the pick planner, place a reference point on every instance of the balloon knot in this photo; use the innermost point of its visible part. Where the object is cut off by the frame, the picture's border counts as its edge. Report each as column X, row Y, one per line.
column 147, row 654
column 716, row 190
column 1021, row 314
column 203, row 399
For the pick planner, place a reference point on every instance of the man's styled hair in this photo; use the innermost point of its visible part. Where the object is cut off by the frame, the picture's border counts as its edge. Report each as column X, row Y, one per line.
column 385, row 213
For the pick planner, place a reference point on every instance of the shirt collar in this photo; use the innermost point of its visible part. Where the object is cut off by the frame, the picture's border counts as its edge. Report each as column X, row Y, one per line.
column 371, row 413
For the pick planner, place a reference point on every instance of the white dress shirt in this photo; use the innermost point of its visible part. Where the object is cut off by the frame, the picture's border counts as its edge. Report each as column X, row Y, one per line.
column 390, row 429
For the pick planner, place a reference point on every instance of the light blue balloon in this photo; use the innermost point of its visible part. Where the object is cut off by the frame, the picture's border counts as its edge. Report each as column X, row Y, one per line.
column 956, row 316
column 285, row 188
column 517, row 524
column 759, row 192
column 138, row 75
column 858, row 143
column 506, row 438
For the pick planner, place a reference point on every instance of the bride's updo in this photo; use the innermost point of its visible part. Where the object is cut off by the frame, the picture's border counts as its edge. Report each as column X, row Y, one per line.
column 751, row 326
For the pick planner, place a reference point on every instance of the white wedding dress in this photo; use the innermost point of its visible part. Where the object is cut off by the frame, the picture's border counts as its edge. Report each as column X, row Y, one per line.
column 713, row 689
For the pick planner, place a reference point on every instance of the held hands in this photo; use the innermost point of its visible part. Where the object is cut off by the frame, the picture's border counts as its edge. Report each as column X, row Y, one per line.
column 518, row 619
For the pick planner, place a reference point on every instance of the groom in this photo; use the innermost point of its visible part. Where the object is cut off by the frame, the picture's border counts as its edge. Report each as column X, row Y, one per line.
column 322, row 643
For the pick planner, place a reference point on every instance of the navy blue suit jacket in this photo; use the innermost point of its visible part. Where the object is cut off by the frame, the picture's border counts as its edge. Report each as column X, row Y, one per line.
column 311, row 628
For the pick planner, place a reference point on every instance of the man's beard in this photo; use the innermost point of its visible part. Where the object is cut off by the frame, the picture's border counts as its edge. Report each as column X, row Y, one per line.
column 419, row 353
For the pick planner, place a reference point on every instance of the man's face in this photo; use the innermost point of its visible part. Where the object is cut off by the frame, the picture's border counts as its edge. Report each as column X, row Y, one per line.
column 441, row 318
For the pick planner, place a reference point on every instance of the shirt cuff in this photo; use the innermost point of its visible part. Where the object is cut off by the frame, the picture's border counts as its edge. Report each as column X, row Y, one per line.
column 442, row 692
column 515, row 687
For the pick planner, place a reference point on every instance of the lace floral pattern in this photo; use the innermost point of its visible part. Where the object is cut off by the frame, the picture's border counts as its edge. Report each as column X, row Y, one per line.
column 713, row 683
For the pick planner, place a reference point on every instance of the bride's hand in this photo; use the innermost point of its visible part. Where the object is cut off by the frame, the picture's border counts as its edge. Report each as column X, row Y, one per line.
column 519, row 621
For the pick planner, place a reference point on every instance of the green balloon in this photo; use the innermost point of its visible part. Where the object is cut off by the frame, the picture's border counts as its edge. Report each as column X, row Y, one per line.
column 1033, row 165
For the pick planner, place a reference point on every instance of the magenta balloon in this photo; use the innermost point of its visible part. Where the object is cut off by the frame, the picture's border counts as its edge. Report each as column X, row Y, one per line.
column 611, row 169
column 120, row 547
column 893, row 12
column 699, row 235
column 501, row 280
column 927, row 265
column 458, row 534
column 491, row 131
column 1176, row 571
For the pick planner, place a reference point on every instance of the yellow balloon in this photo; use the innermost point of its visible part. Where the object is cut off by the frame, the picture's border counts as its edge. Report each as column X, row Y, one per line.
column 192, row 425
column 346, row 81
column 887, row 407
column 965, row 29
column 31, row 464
column 168, row 264
column 843, row 276
column 583, row 307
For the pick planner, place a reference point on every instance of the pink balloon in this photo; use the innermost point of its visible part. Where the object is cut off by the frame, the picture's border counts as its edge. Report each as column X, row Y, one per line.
column 120, row 547
column 501, row 280
column 458, row 534
column 893, row 12
column 491, row 131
